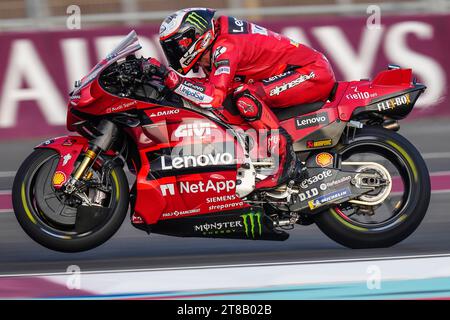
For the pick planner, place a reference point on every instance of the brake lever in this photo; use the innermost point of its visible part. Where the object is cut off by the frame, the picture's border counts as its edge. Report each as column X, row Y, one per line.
column 158, row 85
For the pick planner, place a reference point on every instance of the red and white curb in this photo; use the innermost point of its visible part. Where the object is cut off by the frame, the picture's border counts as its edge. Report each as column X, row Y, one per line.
column 172, row 283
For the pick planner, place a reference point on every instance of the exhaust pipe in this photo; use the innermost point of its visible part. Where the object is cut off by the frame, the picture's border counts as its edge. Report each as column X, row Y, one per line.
column 391, row 125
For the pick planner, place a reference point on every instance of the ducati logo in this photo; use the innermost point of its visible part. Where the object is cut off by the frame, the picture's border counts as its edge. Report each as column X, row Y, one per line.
column 66, row 159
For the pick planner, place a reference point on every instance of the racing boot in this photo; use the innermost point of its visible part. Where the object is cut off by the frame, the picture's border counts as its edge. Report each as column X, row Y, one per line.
column 279, row 142
column 283, row 156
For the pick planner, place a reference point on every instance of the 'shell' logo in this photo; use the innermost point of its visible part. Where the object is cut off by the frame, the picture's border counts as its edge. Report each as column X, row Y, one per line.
column 324, row 159
column 59, row 178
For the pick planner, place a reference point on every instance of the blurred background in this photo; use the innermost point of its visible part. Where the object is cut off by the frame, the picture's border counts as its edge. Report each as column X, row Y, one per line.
column 19, row 14
column 45, row 45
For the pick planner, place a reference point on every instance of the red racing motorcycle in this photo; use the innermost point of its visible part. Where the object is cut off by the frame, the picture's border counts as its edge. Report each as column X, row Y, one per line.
column 194, row 171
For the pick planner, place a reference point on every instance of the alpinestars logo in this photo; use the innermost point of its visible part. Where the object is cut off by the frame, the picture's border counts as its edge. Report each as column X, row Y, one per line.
column 245, row 108
column 218, row 52
column 252, row 224
column 289, row 85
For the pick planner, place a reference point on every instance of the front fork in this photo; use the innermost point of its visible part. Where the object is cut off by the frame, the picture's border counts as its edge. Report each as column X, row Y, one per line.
column 103, row 142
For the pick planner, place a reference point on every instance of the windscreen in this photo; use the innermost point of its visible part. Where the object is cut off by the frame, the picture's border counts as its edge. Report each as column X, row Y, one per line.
column 127, row 46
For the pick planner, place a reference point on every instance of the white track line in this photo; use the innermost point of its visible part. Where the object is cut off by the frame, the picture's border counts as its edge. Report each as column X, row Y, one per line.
column 436, row 155
column 439, row 173
column 244, row 265
column 7, row 174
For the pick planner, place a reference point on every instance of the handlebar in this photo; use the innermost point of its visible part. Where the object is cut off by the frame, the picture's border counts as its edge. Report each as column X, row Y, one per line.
column 128, row 77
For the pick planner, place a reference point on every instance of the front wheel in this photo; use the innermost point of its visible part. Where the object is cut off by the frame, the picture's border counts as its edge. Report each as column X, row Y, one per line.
column 393, row 220
column 49, row 216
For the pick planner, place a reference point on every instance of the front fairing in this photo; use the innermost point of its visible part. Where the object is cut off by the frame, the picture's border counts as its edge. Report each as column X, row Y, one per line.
column 88, row 90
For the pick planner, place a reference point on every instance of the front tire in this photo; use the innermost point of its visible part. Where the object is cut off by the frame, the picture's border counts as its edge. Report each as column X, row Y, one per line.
column 349, row 233
column 62, row 237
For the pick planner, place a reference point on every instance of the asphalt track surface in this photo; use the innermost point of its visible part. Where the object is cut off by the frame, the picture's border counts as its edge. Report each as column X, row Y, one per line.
column 134, row 249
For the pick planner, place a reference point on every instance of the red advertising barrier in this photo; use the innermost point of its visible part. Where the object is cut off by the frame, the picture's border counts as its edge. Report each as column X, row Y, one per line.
column 38, row 69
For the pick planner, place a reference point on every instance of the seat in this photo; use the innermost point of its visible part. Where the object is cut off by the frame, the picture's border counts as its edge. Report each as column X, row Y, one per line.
column 301, row 109
column 297, row 110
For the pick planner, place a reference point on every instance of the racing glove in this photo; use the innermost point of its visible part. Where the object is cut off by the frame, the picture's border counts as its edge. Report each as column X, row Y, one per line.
column 152, row 67
column 193, row 89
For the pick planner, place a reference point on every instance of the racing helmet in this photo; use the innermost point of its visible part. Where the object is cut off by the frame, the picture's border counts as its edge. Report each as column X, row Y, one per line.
column 185, row 35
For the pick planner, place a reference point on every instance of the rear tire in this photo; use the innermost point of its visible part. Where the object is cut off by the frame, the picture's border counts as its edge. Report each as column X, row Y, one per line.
column 350, row 234
column 34, row 224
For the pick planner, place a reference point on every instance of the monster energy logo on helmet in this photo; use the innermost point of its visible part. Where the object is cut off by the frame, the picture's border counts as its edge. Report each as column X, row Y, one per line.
column 252, row 223
column 197, row 20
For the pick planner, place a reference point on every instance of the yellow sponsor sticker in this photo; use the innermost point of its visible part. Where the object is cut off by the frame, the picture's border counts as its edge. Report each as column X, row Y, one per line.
column 310, row 144
column 59, row 178
column 324, row 159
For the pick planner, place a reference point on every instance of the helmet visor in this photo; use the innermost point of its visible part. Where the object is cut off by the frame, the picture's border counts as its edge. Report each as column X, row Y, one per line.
column 176, row 47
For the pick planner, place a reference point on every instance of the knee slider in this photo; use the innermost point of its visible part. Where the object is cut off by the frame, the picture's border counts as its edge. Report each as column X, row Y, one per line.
column 249, row 105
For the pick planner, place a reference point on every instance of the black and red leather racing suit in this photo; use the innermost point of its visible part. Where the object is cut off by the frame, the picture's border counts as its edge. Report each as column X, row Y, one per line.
column 272, row 71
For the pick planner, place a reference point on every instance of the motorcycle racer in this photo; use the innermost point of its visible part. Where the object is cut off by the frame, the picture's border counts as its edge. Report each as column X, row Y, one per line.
column 260, row 68
column 71, row 194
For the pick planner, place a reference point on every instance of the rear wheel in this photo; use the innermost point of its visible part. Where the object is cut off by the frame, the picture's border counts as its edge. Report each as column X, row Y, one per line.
column 49, row 215
column 393, row 220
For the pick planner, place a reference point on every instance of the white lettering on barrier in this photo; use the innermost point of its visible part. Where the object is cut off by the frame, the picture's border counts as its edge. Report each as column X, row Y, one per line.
column 25, row 64
column 429, row 70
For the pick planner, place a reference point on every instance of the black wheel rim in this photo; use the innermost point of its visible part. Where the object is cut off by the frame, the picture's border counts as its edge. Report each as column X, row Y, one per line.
column 44, row 222
column 390, row 153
